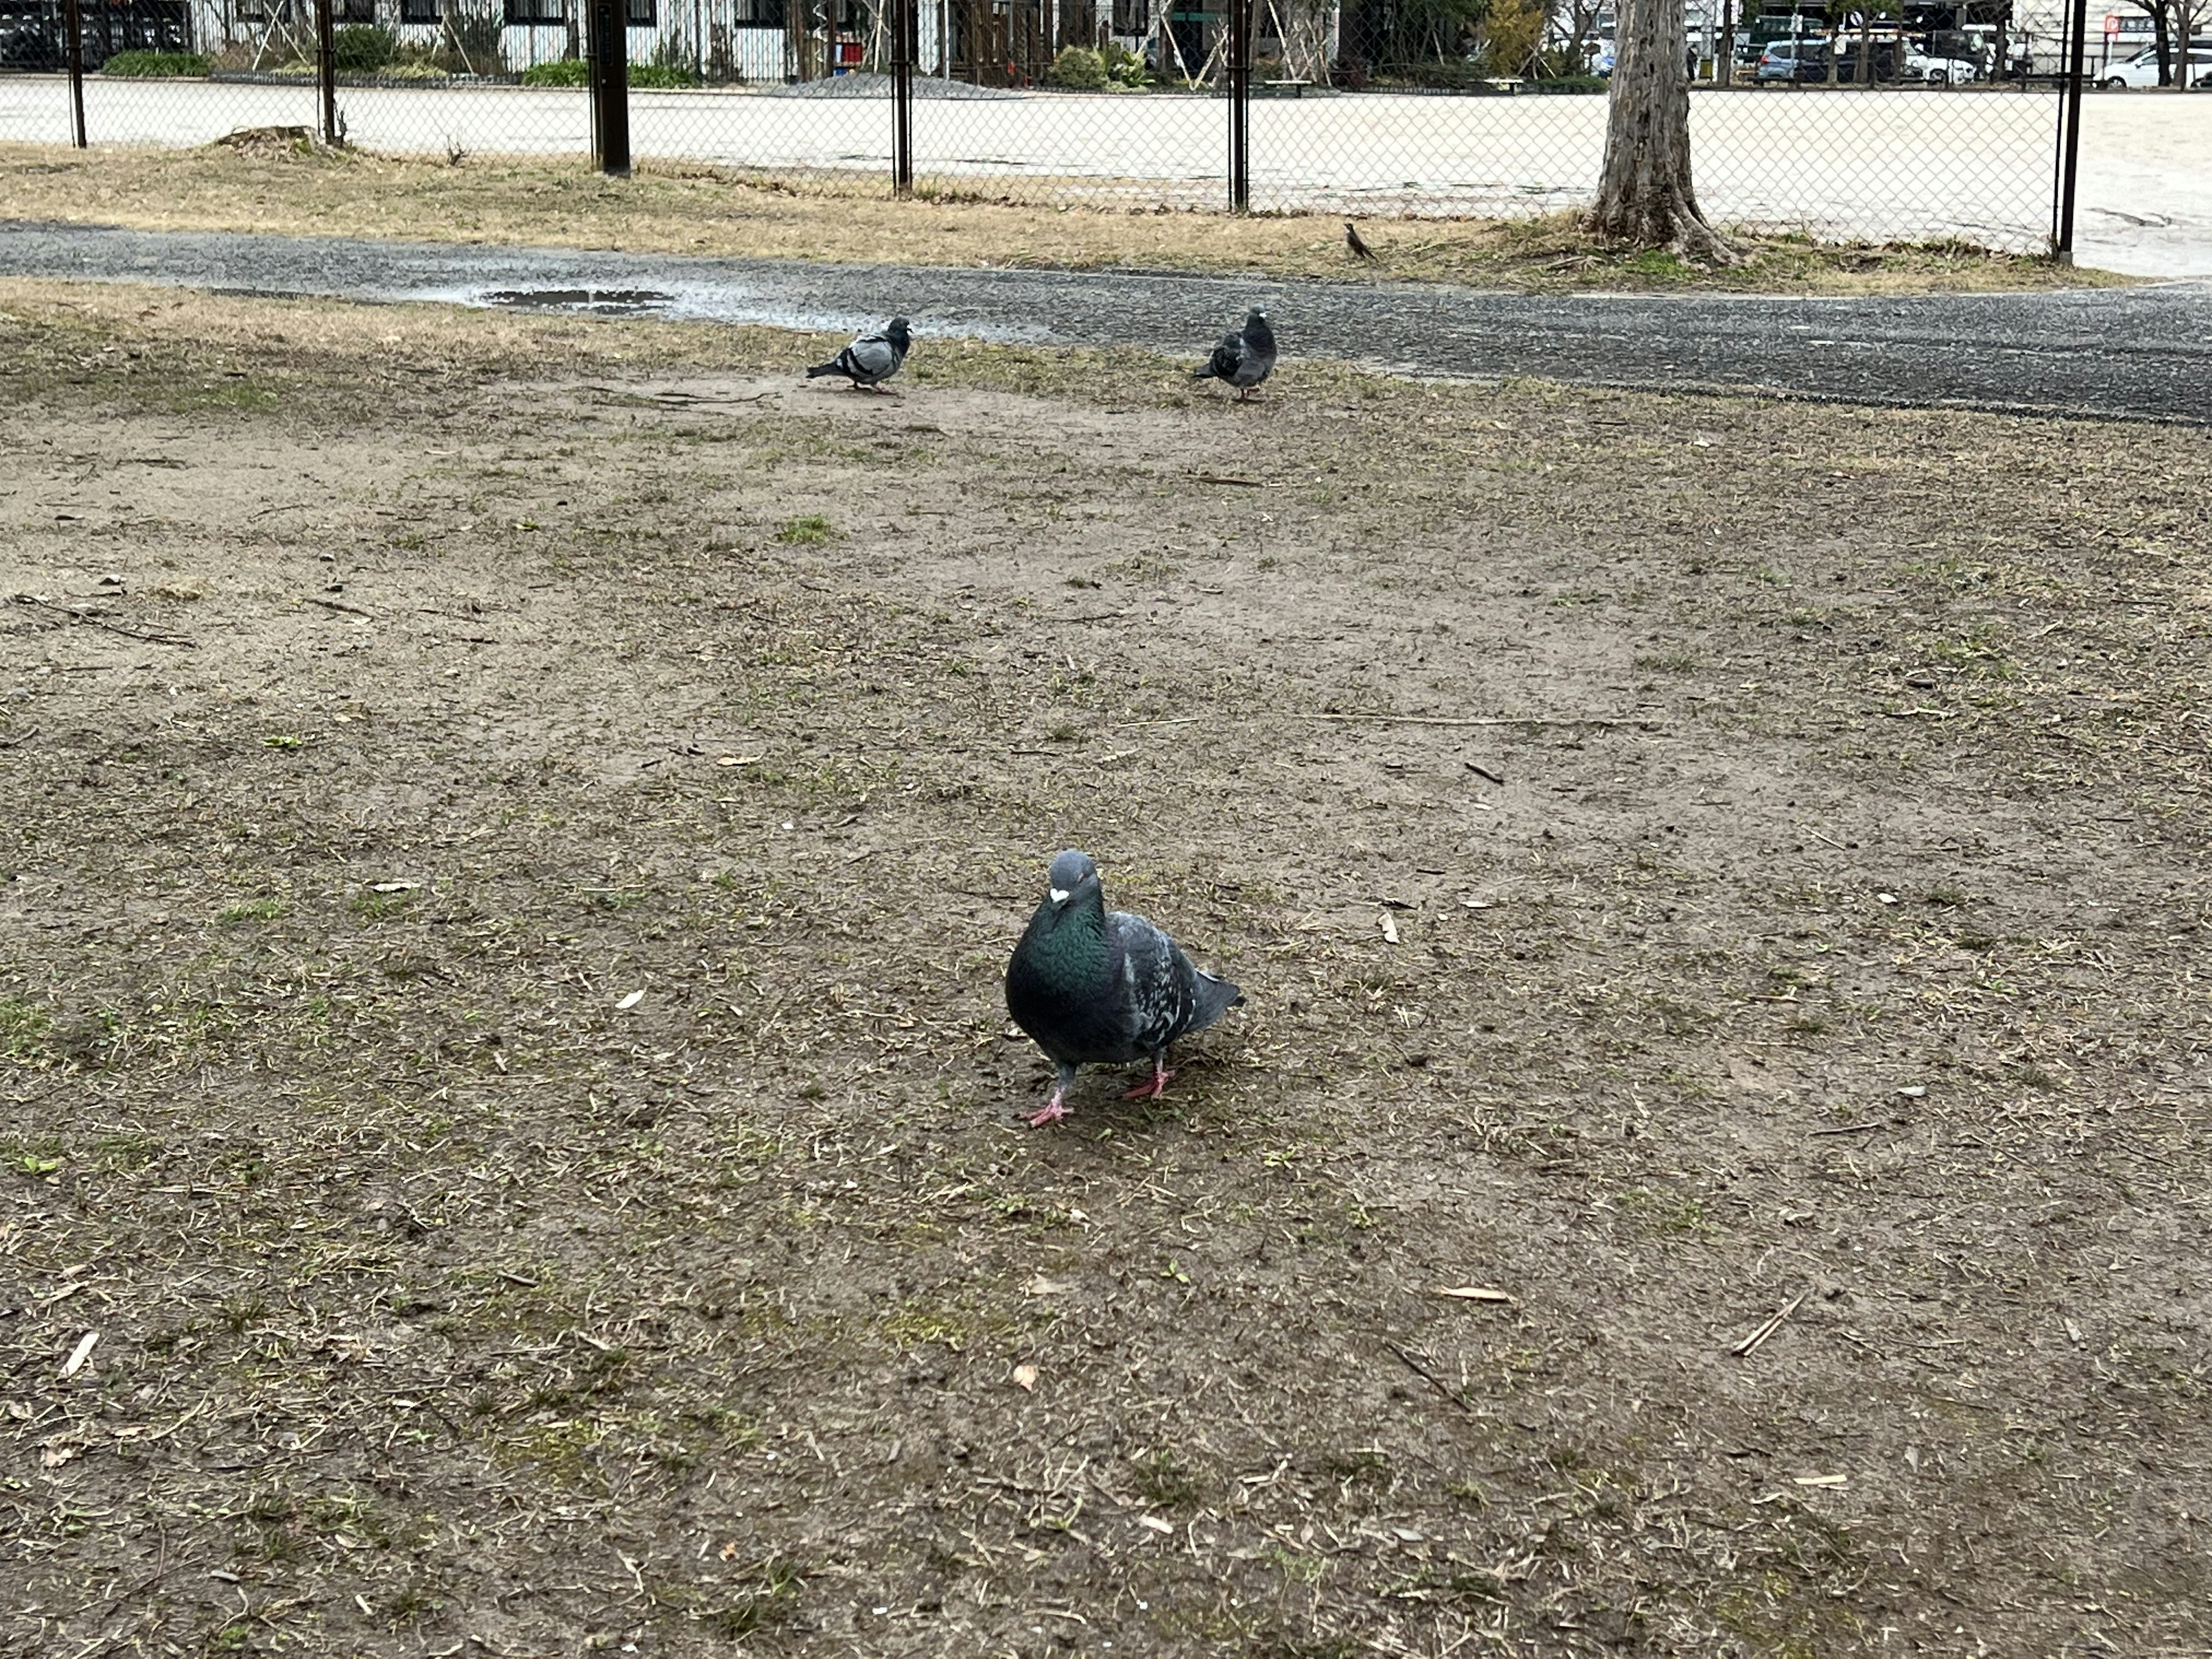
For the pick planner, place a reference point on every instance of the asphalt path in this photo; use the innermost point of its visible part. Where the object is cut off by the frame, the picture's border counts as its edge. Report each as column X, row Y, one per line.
column 2133, row 354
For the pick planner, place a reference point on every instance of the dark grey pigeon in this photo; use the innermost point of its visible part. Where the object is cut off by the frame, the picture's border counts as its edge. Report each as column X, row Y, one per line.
column 871, row 360
column 1243, row 358
column 1101, row 987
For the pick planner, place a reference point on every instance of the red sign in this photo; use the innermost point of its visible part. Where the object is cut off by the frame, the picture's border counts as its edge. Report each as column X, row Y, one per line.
column 2111, row 24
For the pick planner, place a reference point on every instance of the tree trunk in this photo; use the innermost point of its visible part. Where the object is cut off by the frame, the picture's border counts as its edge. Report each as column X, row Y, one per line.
column 1644, row 197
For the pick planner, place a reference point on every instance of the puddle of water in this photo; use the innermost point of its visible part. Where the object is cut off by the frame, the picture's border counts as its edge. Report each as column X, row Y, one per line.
column 599, row 301
column 707, row 302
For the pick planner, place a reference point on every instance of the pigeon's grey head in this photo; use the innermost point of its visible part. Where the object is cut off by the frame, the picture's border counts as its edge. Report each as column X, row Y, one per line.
column 1255, row 315
column 896, row 329
column 1072, row 873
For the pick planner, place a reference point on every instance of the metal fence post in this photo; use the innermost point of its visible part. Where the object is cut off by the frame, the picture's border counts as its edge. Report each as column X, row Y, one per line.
column 73, row 21
column 606, row 52
column 2069, row 142
column 327, row 71
column 1240, row 105
column 903, row 98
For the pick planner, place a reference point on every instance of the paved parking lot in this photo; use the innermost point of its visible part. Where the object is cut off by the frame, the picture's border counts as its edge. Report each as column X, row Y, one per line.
column 1909, row 164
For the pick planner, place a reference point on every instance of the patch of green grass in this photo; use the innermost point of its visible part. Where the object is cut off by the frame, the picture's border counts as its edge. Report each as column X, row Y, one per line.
column 372, row 906
column 768, row 1601
column 24, row 1030
column 1163, row 1482
column 812, row 530
column 913, row 1327
column 245, row 910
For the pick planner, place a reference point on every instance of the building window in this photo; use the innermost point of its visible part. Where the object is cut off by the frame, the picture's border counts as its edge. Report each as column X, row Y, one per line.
column 1131, row 17
column 354, row 11
column 419, row 11
column 760, row 14
column 644, row 13
column 521, row 14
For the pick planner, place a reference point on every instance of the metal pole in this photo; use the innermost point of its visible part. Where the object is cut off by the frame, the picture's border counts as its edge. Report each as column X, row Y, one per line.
column 73, row 21
column 2062, row 244
column 327, row 71
column 903, row 34
column 1240, row 105
column 607, row 54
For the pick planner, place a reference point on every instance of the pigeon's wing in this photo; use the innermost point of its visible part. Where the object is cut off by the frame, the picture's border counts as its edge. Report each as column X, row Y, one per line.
column 1227, row 354
column 870, row 357
column 1257, row 362
column 1168, row 997
column 1160, row 985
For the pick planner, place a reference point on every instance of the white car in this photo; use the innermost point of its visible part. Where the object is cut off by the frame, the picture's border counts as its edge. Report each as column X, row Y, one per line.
column 1943, row 71
column 2142, row 69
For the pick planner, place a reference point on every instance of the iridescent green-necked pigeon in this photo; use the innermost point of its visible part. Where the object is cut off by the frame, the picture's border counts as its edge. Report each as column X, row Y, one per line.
column 1099, row 988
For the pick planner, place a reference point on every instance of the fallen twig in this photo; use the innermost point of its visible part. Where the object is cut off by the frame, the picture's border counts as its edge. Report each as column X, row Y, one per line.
column 1750, row 1343
column 75, row 614
column 1432, row 1379
column 340, row 605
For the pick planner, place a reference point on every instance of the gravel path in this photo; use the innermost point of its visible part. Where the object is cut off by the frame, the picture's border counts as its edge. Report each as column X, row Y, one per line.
column 2134, row 353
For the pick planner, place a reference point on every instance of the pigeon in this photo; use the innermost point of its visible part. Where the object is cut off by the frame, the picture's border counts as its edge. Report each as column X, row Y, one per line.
column 1360, row 248
column 1099, row 988
column 871, row 360
column 1243, row 358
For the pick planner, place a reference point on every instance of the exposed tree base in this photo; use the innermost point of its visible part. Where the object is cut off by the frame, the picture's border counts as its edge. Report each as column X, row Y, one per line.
column 1670, row 220
column 1645, row 196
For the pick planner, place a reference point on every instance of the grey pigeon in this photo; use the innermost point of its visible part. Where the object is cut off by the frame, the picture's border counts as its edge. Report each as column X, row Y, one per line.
column 1354, row 241
column 871, row 360
column 1245, row 358
column 1099, row 988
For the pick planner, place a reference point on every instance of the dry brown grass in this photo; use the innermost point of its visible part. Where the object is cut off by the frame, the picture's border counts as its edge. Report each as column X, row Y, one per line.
column 672, row 209
column 1837, row 947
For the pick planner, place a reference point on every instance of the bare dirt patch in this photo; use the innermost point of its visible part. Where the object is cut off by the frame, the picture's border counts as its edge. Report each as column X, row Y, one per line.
column 297, row 188
column 1791, row 1008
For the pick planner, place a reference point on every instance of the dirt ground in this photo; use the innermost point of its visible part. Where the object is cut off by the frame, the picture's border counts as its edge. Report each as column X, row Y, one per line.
column 1724, row 880
column 299, row 190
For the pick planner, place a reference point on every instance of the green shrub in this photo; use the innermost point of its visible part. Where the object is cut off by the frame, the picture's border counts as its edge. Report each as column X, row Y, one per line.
column 362, row 48
column 1124, row 68
column 1567, row 83
column 154, row 65
column 575, row 72
column 567, row 72
column 1077, row 67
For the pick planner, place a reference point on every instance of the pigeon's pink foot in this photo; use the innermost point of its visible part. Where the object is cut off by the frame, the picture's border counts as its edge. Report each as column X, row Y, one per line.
column 1155, row 1089
column 1054, row 1109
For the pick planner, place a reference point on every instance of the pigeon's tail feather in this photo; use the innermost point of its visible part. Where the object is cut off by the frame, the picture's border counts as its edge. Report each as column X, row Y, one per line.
column 1216, row 997
column 835, row 366
column 1204, row 372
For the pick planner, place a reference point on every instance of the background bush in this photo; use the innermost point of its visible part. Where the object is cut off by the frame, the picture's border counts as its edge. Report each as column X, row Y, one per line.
column 1078, row 69
column 141, row 65
column 567, row 72
column 575, row 72
column 363, row 48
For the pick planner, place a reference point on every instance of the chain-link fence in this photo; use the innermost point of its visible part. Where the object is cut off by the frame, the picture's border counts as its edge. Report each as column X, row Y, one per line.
column 1286, row 106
